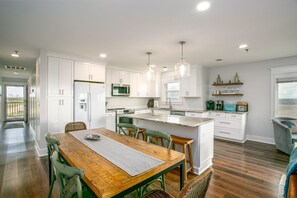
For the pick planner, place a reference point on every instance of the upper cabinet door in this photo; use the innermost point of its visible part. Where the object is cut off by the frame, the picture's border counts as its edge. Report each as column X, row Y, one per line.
column 53, row 77
column 120, row 77
column 191, row 86
column 134, row 77
column 66, row 77
column 108, row 83
column 97, row 73
column 81, row 71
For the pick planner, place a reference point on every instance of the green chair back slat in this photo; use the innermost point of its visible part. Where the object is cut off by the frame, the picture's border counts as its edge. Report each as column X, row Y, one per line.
column 68, row 177
column 127, row 128
column 152, row 136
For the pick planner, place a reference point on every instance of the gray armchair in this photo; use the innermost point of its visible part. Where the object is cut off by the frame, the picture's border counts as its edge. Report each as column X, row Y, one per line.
column 284, row 139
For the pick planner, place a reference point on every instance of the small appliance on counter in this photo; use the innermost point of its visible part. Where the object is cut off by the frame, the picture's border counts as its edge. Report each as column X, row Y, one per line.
column 220, row 105
column 242, row 106
column 150, row 103
column 210, row 105
column 230, row 107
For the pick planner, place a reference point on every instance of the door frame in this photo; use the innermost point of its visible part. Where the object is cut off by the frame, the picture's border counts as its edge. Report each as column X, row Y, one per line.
column 25, row 96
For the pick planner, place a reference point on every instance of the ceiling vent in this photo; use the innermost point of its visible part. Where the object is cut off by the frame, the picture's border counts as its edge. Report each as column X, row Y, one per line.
column 14, row 67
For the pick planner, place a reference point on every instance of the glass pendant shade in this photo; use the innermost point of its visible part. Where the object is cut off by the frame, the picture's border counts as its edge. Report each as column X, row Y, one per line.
column 182, row 69
column 150, row 72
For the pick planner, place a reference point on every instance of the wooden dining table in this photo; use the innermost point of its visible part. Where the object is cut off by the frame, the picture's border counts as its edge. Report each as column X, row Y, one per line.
column 106, row 179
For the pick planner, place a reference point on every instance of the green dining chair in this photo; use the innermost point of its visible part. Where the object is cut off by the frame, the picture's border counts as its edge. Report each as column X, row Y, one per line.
column 52, row 145
column 128, row 129
column 165, row 141
column 69, row 179
column 196, row 188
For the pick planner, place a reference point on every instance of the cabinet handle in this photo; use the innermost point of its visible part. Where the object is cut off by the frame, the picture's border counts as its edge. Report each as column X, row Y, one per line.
column 62, row 102
column 62, row 91
column 59, row 91
column 59, row 102
column 224, row 132
column 225, row 122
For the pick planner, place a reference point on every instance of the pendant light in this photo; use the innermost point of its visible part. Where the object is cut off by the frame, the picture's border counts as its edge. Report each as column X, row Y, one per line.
column 150, row 73
column 182, row 69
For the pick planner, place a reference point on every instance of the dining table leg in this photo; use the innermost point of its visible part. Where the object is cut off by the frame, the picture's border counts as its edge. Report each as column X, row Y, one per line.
column 181, row 173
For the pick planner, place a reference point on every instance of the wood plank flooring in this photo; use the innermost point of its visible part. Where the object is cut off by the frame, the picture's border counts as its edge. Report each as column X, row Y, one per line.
column 240, row 170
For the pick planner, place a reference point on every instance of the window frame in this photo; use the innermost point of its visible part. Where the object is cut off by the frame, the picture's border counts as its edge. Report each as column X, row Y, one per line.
column 279, row 73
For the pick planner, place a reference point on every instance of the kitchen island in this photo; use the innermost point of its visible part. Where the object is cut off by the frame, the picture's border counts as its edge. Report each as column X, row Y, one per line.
column 201, row 130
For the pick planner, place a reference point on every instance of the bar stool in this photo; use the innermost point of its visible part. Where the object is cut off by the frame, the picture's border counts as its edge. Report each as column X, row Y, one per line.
column 184, row 142
column 142, row 132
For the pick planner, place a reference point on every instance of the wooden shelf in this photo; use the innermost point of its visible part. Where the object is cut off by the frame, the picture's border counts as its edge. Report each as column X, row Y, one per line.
column 227, row 94
column 226, row 84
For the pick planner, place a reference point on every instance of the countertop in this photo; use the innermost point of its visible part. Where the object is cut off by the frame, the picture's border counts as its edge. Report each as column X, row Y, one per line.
column 171, row 119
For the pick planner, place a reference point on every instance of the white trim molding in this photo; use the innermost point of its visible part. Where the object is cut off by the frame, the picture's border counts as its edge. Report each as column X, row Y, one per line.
column 260, row 139
column 40, row 152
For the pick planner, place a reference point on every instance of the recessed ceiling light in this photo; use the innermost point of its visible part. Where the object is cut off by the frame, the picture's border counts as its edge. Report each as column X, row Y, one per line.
column 103, row 55
column 242, row 46
column 219, row 59
column 15, row 73
column 202, row 6
column 165, row 68
column 15, row 54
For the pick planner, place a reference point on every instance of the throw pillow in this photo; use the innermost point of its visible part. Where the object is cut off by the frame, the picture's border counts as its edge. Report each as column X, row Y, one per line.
column 291, row 124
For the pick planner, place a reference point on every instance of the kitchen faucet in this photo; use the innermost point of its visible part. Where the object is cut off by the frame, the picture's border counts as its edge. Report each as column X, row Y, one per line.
column 170, row 106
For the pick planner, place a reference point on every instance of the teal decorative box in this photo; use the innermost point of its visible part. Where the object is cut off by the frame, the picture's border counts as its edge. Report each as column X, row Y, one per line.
column 230, row 107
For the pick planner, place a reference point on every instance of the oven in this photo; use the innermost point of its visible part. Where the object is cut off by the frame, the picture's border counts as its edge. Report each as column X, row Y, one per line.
column 121, row 119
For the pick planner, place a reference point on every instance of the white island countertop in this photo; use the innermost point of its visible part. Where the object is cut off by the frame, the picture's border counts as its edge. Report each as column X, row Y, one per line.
column 171, row 119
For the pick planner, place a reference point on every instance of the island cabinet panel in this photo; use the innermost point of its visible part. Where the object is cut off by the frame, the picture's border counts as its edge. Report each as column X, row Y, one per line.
column 201, row 130
column 230, row 126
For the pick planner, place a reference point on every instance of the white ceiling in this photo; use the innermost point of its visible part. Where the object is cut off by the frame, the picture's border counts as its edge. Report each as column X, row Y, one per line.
column 126, row 29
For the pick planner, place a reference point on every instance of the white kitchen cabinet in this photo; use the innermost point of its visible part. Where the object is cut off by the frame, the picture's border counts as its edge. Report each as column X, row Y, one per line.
column 120, row 77
column 60, row 112
column 110, row 121
column 230, row 126
column 191, row 86
column 89, row 72
column 134, row 81
column 108, row 82
column 60, row 77
column 197, row 114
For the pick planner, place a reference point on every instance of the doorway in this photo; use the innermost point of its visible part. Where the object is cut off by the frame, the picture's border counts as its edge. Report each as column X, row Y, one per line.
column 15, row 103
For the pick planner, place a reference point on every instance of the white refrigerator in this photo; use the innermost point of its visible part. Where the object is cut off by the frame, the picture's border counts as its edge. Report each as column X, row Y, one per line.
column 89, row 104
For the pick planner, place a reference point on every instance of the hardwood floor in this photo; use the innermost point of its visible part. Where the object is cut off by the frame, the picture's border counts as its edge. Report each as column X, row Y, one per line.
column 240, row 170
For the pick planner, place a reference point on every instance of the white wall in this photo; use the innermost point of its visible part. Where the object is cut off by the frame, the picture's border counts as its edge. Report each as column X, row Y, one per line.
column 256, row 89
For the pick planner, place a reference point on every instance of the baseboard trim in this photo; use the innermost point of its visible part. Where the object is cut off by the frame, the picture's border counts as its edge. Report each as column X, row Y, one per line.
column 40, row 152
column 260, row 139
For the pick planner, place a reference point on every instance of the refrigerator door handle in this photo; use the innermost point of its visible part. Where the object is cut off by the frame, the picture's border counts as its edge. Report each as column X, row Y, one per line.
column 89, row 106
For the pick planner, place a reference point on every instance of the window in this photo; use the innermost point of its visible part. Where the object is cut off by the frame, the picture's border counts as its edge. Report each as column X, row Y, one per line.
column 286, row 101
column 284, row 91
column 172, row 91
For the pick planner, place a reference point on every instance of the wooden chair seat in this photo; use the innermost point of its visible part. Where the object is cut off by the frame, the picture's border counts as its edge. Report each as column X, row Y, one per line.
column 181, row 140
column 184, row 142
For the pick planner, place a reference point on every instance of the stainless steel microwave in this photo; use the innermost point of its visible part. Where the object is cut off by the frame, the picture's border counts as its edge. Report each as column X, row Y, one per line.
column 120, row 90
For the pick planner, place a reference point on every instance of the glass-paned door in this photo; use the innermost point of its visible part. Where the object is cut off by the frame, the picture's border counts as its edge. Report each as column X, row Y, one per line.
column 15, row 102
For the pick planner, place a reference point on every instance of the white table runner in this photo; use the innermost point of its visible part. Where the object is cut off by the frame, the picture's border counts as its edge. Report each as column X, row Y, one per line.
column 130, row 160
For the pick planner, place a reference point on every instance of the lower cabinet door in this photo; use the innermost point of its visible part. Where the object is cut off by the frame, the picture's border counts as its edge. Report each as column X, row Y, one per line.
column 53, row 115
column 65, row 113
column 228, row 133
